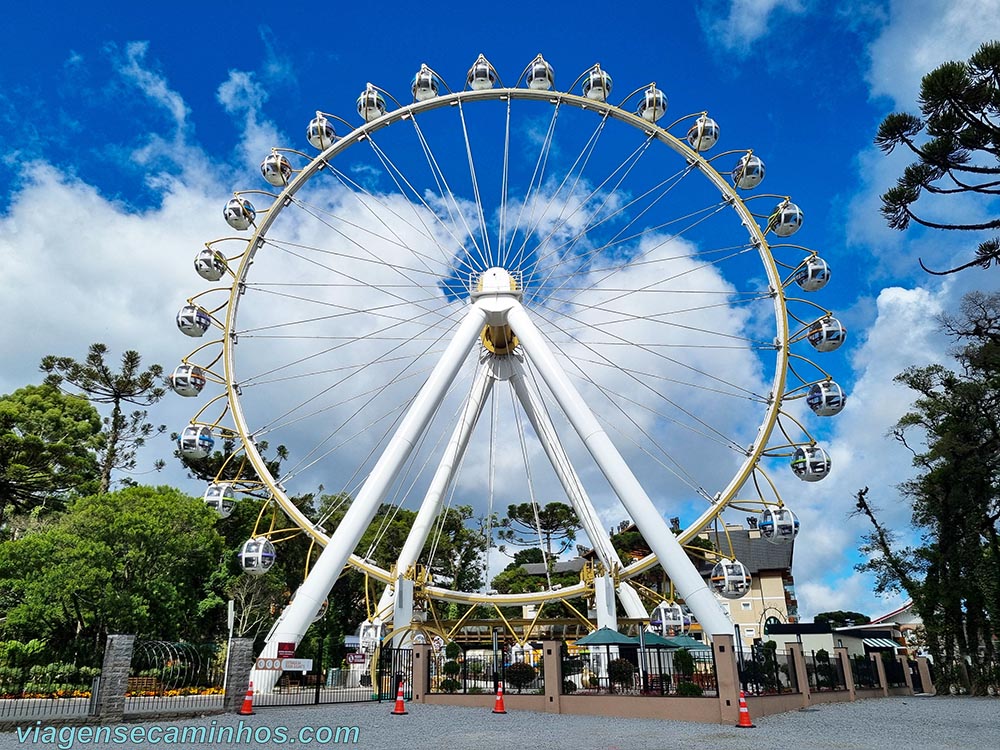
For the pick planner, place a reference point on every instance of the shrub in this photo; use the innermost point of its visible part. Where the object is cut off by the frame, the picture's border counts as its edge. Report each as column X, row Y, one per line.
column 450, row 686
column 451, row 668
column 452, row 650
column 520, row 674
column 571, row 667
column 683, row 662
column 569, row 686
column 621, row 672
column 689, row 690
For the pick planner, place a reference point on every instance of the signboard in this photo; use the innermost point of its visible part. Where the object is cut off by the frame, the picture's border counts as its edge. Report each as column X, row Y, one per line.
column 286, row 650
column 296, row 665
column 355, row 658
column 268, row 664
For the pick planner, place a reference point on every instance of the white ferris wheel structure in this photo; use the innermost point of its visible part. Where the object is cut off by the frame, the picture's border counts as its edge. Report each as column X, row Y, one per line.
column 504, row 293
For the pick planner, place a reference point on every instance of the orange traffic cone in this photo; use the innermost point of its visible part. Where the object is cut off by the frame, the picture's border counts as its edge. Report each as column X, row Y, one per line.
column 400, row 708
column 498, row 706
column 247, row 708
column 744, row 722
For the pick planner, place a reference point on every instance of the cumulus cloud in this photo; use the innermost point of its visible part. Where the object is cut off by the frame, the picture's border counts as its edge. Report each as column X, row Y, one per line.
column 863, row 452
column 920, row 35
column 744, row 22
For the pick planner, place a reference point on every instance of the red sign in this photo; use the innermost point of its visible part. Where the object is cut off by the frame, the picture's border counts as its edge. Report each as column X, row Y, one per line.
column 286, row 650
column 355, row 658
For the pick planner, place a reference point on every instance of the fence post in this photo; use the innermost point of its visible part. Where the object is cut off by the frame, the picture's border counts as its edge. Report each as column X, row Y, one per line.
column 114, row 677
column 238, row 669
column 421, row 671
column 727, row 677
column 552, row 671
column 848, row 668
column 925, row 676
column 880, row 668
column 904, row 663
column 801, row 675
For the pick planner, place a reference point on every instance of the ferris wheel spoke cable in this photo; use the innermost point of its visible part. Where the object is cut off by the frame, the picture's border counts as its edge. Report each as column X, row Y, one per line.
column 339, row 273
column 659, row 319
column 668, row 463
column 553, row 326
column 504, row 188
column 537, row 178
column 743, row 394
column 445, row 192
column 398, row 412
column 642, row 258
column 616, row 239
column 475, row 185
column 400, row 179
column 363, row 195
column 276, row 423
column 645, row 385
column 332, row 370
column 575, row 171
column 378, row 311
column 375, row 262
column 626, row 167
column 531, row 485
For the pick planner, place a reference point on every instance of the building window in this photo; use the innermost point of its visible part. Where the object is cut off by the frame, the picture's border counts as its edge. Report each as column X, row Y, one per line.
column 749, row 632
column 746, row 605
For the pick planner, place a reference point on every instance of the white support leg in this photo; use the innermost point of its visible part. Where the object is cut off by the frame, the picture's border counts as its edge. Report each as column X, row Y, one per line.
column 482, row 385
column 299, row 614
column 604, row 602
column 655, row 531
column 570, row 480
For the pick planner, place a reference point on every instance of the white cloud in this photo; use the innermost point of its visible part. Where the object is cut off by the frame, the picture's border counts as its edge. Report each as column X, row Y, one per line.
column 922, row 34
column 745, row 21
column 863, row 453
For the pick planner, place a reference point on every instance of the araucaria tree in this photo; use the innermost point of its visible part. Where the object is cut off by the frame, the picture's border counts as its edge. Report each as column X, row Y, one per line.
column 957, row 145
column 124, row 432
column 953, row 431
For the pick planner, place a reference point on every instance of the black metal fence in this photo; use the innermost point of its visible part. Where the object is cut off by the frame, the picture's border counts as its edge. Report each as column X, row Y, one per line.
column 166, row 677
column 824, row 672
column 865, row 673
column 46, row 690
column 652, row 672
column 895, row 675
column 361, row 677
column 766, row 671
column 477, row 672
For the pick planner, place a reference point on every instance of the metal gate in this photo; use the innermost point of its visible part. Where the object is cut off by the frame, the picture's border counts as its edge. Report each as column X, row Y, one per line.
column 918, row 684
column 360, row 677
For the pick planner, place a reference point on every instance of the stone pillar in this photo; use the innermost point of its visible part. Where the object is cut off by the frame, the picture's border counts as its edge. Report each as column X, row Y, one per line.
column 845, row 663
column 880, row 668
column 727, row 674
column 552, row 669
column 238, row 667
column 904, row 662
column 925, row 675
column 422, row 655
column 801, row 675
column 110, row 705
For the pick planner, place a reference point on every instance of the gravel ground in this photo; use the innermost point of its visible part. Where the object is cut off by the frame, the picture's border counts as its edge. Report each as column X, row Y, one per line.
column 914, row 723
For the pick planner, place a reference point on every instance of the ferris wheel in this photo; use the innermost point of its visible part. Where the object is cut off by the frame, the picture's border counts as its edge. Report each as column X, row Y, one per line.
column 490, row 294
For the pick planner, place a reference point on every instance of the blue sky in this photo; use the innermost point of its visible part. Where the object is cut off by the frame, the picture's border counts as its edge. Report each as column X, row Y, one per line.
column 123, row 131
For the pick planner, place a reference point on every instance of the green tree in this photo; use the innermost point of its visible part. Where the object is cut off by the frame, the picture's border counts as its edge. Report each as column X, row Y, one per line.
column 841, row 618
column 957, row 145
column 131, row 561
column 124, row 433
column 953, row 432
column 48, row 444
column 553, row 526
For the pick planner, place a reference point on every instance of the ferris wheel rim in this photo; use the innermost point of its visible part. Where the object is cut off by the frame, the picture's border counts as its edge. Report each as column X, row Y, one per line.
column 318, row 162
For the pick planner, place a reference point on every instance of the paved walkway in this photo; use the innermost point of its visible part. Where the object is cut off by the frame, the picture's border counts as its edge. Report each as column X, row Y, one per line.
column 915, row 723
